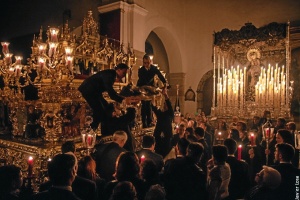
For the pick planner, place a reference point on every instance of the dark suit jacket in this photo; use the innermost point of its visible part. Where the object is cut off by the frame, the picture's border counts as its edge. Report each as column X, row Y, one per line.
column 288, row 183
column 183, row 179
column 239, row 181
column 157, row 159
column 105, row 156
column 55, row 193
column 146, row 77
column 83, row 188
column 102, row 81
column 124, row 123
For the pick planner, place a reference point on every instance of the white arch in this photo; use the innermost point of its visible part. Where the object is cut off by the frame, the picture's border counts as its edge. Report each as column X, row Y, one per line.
column 164, row 31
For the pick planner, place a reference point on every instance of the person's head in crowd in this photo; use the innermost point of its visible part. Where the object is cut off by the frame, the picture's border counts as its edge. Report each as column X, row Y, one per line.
column 284, row 136
column 191, row 123
column 284, row 152
column 120, row 137
column 234, row 134
column 87, row 168
column 148, row 142
column 268, row 177
column 190, row 134
column 220, row 154
column 231, row 145
column 10, row 179
column 127, row 167
column 203, row 125
column 149, row 170
column 195, row 151
column 181, row 146
column 124, row 190
column 156, row 192
column 291, row 126
column 181, row 130
column 68, row 146
column 241, row 126
column 199, row 133
column 62, row 170
column 256, row 120
column 280, row 123
column 147, row 61
column 222, row 125
column 121, row 70
column 267, row 114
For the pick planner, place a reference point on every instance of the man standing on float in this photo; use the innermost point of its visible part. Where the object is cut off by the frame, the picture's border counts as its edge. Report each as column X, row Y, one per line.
column 146, row 75
column 103, row 81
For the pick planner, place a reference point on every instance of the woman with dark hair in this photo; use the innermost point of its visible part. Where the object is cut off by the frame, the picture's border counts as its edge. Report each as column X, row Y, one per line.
column 234, row 134
column 124, row 190
column 87, row 169
column 221, row 133
column 284, row 136
column 150, row 173
column 127, row 169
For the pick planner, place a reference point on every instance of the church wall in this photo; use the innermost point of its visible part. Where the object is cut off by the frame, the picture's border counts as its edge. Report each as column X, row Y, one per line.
column 192, row 24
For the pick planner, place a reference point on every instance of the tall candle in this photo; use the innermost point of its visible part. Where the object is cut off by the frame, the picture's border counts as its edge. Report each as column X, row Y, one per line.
column 30, row 166
column 240, row 152
column 252, row 139
column 89, row 140
column 143, row 158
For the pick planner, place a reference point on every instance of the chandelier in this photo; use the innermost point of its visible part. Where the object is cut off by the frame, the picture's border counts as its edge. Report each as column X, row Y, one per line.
column 49, row 80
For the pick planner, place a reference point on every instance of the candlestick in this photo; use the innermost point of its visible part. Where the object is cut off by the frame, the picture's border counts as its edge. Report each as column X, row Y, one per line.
column 240, row 152
column 30, row 166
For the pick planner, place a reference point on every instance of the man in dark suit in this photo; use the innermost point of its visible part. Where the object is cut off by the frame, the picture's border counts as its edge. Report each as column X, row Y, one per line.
column 199, row 134
column 84, row 188
column 147, row 152
column 103, row 81
column 207, row 136
column 184, row 178
column 62, row 172
column 239, row 181
column 284, row 154
column 146, row 75
column 106, row 155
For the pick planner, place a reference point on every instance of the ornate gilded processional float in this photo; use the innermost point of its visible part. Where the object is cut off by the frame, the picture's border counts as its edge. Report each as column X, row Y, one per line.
column 43, row 104
column 251, row 71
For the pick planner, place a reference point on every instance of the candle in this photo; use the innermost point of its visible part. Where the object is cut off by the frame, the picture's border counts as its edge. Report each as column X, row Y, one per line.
column 30, row 166
column 252, row 139
column 267, row 133
column 220, row 135
column 240, row 152
column 89, row 140
column 143, row 158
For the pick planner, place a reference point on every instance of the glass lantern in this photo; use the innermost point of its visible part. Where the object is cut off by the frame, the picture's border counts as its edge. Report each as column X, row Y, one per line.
column 88, row 135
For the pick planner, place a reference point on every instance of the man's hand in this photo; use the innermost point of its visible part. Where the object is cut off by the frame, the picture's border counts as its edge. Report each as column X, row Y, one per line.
column 132, row 100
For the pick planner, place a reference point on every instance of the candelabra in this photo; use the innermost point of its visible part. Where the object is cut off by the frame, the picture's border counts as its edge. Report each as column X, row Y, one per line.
column 251, row 71
column 41, row 95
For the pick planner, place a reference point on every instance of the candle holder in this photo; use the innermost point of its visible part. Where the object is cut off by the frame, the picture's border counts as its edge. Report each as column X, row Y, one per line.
column 252, row 140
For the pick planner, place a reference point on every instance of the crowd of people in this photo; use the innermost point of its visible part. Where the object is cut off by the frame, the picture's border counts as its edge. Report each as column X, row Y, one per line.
column 200, row 164
column 196, row 159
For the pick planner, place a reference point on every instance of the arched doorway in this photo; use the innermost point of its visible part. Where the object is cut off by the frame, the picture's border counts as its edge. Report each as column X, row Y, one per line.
column 205, row 93
column 155, row 47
